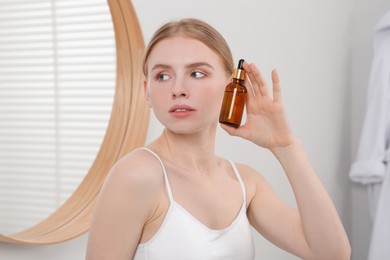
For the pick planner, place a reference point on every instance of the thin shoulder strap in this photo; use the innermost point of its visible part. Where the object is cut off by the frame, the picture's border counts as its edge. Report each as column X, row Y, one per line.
column 238, row 176
column 164, row 170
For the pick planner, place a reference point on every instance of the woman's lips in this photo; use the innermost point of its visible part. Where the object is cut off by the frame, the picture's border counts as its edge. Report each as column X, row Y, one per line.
column 180, row 111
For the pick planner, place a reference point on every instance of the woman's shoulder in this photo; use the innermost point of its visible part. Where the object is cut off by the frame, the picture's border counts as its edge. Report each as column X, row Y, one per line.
column 136, row 182
column 251, row 177
column 137, row 168
column 248, row 172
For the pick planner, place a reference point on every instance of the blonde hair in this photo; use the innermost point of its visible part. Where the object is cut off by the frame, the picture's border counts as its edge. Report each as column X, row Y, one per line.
column 195, row 29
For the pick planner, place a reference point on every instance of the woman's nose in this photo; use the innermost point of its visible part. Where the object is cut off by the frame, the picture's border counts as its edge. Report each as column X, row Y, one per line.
column 179, row 90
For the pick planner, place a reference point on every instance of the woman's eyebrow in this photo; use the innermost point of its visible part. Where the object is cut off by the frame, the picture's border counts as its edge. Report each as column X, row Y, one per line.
column 188, row 66
column 199, row 64
column 161, row 66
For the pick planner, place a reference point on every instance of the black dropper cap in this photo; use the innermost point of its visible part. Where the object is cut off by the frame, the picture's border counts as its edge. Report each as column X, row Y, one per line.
column 239, row 73
column 240, row 64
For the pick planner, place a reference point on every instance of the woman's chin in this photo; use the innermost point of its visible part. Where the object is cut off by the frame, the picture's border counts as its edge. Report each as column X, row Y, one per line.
column 190, row 129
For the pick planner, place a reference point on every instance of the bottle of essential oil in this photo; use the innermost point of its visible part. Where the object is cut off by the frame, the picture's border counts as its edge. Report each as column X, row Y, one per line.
column 234, row 98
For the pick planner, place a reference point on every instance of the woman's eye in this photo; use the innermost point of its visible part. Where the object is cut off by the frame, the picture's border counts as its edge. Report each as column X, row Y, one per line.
column 162, row 77
column 197, row 74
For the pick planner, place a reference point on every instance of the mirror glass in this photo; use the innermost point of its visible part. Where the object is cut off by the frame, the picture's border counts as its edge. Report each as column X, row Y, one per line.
column 57, row 83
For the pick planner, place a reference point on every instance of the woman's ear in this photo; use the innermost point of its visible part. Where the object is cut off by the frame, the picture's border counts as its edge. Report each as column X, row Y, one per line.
column 147, row 94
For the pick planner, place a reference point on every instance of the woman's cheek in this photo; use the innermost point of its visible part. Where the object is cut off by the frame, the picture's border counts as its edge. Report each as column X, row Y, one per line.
column 156, row 102
column 219, row 95
column 214, row 100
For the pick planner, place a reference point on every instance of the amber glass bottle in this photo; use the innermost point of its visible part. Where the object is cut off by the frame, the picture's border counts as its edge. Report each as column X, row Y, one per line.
column 234, row 98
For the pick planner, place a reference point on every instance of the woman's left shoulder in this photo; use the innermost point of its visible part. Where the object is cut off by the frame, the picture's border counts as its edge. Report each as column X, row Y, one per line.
column 248, row 173
column 253, row 180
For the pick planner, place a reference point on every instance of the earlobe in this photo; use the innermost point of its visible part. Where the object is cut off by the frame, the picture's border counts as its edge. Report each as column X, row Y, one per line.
column 147, row 94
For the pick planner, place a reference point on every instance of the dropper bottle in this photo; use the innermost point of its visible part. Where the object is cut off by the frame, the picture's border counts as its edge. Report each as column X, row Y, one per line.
column 234, row 98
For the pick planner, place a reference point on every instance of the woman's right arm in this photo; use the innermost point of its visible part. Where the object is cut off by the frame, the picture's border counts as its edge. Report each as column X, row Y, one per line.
column 126, row 202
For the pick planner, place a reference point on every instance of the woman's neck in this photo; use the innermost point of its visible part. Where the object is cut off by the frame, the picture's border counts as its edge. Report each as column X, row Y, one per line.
column 189, row 151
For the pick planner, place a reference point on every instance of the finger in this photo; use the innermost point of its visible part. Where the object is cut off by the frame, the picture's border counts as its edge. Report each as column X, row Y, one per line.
column 232, row 130
column 258, row 77
column 249, row 87
column 255, row 89
column 276, row 86
column 229, row 129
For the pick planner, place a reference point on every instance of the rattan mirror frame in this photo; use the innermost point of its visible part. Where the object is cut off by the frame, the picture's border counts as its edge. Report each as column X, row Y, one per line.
column 126, row 131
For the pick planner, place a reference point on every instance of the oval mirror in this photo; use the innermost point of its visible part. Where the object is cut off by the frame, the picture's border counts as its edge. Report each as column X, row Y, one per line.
column 93, row 137
column 57, row 80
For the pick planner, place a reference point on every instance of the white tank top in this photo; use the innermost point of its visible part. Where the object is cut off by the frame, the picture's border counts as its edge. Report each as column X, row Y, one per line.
column 183, row 237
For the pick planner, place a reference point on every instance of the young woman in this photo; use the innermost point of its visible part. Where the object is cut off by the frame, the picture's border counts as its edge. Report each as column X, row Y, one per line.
column 175, row 199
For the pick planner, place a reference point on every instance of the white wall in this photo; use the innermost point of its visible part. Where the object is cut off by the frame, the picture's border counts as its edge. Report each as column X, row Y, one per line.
column 366, row 15
column 309, row 42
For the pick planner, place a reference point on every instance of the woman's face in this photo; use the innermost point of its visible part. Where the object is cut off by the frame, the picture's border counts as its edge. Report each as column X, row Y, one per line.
column 185, row 84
